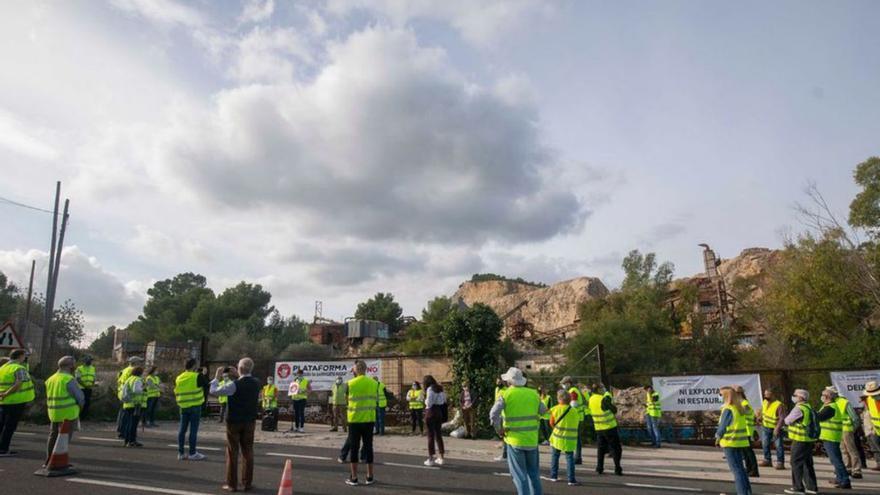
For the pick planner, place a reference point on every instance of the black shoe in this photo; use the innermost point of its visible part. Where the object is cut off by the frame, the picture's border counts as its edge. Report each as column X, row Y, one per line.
column 857, row 476
column 579, row 462
column 600, row 472
column 618, row 471
column 8, row 453
column 370, row 481
column 351, row 482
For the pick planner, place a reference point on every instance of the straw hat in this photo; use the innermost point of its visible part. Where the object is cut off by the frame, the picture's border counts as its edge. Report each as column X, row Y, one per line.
column 872, row 389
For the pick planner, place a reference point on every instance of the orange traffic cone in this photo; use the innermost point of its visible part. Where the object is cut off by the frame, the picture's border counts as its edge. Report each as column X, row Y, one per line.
column 286, row 486
column 59, row 461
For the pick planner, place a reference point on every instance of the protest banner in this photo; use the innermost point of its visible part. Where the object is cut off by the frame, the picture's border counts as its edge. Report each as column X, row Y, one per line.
column 321, row 374
column 701, row 392
column 850, row 384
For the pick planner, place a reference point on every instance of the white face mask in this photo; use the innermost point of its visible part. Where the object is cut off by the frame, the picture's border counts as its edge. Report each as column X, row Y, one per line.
column 794, row 399
column 269, row 382
column 415, row 387
column 225, row 376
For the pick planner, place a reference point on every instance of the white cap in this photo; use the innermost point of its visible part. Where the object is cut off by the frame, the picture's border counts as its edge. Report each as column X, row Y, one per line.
column 514, row 376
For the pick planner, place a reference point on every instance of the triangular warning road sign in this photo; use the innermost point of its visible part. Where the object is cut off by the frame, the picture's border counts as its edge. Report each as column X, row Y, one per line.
column 8, row 338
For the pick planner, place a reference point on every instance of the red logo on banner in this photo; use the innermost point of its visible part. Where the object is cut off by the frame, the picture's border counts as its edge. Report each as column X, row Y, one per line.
column 283, row 371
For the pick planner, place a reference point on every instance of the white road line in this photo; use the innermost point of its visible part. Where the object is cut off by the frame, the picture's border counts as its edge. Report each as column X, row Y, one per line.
column 200, row 448
column 26, row 433
column 301, row 456
column 128, row 486
column 99, row 439
column 407, row 465
column 502, row 474
column 664, row 487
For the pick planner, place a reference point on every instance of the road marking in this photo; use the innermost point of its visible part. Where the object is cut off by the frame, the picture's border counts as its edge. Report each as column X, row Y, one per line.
column 99, row 439
column 200, row 447
column 664, row 487
column 502, row 474
column 407, row 465
column 135, row 487
column 301, row 456
column 26, row 433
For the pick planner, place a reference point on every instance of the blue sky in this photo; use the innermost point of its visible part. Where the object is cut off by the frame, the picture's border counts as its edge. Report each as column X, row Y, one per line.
column 333, row 149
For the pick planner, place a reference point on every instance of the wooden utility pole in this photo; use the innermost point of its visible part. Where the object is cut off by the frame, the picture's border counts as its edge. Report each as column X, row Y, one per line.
column 603, row 375
column 55, row 271
column 27, row 307
column 47, row 316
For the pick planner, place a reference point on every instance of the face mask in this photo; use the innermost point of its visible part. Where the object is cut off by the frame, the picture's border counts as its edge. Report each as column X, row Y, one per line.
column 794, row 399
column 414, row 386
column 225, row 376
column 269, row 382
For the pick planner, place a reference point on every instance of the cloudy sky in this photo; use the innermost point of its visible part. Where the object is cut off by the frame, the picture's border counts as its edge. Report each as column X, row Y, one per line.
column 332, row 149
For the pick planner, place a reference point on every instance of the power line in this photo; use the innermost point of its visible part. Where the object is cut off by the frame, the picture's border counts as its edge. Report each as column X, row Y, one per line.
column 22, row 205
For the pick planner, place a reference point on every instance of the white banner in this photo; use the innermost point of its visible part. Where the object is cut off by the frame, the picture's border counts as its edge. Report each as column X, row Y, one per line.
column 701, row 393
column 850, row 384
column 321, row 374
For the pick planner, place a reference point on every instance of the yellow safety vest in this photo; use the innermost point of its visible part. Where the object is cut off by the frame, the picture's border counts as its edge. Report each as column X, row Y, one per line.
column 749, row 415
column 546, row 401
column 603, row 420
column 60, row 405
column 842, row 404
column 362, row 399
column 270, row 401
column 498, row 391
column 187, row 392
column 137, row 399
column 383, row 401
column 152, row 383
column 874, row 409
column 416, row 399
column 337, row 394
column 799, row 432
column 25, row 392
column 521, row 418
column 831, row 430
column 223, row 399
column 303, row 390
column 565, row 432
column 737, row 433
column 652, row 407
column 121, row 378
column 769, row 413
column 581, row 409
column 86, row 375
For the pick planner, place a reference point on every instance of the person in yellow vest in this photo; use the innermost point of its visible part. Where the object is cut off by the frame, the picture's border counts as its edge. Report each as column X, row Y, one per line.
column 516, row 418
column 803, row 431
column 223, row 400
column 134, row 403
column 85, row 377
column 415, row 398
column 337, row 402
column 363, row 401
column 299, row 396
column 871, row 420
column 732, row 436
column 16, row 391
column 579, row 404
column 544, row 436
column 151, row 382
column 121, row 378
column 602, row 409
column 563, row 437
column 772, row 414
column 189, row 397
column 269, row 396
column 381, row 408
column 64, row 398
column 500, row 385
column 851, row 423
column 750, row 458
column 831, row 433
column 653, row 413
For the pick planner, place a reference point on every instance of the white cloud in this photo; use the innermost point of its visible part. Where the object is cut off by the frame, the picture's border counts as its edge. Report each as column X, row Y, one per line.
column 387, row 142
column 255, row 11
column 152, row 243
column 479, row 21
column 167, row 12
column 267, row 55
column 103, row 297
column 20, row 138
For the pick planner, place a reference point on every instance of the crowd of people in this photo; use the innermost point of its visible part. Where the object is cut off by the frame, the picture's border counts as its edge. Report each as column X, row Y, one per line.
column 523, row 417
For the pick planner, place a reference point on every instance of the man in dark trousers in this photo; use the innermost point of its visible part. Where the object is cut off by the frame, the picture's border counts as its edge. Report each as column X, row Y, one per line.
column 241, row 417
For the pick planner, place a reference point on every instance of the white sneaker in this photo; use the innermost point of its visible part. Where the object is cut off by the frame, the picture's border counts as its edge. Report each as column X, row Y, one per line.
column 430, row 462
column 302, row 430
column 198, row 456
column 438, row 461
column 500, row 458
column 181, row 457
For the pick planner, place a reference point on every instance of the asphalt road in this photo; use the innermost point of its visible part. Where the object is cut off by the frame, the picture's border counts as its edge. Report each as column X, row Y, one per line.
column 106, row 467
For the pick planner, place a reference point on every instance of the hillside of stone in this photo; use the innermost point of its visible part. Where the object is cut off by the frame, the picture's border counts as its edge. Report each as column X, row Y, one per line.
column 548, row 308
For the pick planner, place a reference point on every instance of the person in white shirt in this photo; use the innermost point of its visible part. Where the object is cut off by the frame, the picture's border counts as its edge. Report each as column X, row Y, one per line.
column 435, row 407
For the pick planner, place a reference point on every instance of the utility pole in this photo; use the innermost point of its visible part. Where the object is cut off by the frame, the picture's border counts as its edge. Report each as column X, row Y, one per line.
column 55, row 271
column 47, row 316
column 603, row 375
column 27, row 308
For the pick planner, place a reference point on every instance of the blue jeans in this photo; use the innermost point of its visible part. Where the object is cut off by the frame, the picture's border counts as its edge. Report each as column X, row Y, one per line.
column 150, row 417
column 130, row 419
column 380, row 421
column 299, row 413
column 653, row 425
column 735, row 461
column 189, row 418
column 525, row 470
column 832, row 449
column 767, row 442
column 554, row 464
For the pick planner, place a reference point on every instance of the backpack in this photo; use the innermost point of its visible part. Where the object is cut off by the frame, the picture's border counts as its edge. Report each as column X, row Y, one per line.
column 813, row 429
column 127, row 393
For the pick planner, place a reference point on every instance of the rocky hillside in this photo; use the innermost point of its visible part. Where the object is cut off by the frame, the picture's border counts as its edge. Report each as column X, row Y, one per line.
column 547, row 308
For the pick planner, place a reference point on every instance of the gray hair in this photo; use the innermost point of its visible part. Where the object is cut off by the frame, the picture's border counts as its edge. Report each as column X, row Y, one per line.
column 66, row 362
column 802, row 393
column 360, row 367
column 245, row 366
